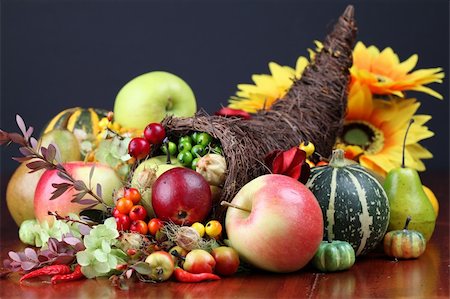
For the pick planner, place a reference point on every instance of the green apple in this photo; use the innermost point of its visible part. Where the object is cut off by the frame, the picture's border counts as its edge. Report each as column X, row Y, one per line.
column 152, row 96
column 146, row 174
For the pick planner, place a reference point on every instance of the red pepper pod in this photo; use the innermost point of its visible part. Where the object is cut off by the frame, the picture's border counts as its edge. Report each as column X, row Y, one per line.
column 184, row 276
column 75, row 275
column 230, row 112
column 48, row 270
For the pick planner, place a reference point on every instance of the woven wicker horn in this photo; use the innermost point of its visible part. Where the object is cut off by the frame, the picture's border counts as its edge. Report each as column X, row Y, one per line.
column 312, row 110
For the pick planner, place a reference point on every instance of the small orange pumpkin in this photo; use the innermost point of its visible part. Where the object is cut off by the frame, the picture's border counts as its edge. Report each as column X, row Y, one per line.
column 404, row 244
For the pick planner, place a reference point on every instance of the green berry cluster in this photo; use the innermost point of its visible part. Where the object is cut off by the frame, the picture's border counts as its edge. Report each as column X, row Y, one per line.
column 190, row 148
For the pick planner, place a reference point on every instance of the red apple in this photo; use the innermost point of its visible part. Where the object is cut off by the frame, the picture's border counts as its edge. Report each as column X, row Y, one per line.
column 279, row 226
column 161, row 264
column 103, row 175
column 181, row 195
column 227, row 260
column 199, row 261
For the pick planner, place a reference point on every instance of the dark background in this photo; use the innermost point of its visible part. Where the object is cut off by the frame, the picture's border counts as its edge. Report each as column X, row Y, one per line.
column 60, row 54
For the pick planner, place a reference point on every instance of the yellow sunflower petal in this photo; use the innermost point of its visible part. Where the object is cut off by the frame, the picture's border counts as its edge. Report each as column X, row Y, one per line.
column 282, row 76
column 300, row 66
column 385, row 74
column 359, row 102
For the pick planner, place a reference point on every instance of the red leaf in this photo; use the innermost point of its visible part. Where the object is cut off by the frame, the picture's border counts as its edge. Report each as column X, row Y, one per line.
column 271, row 156
column 286, row 162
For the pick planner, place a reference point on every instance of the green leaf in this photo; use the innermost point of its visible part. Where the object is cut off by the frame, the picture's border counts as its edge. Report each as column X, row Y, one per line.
column 91, row 175
column 112, row 261
column 95, row 215
column 142, row 268
column 120, row 254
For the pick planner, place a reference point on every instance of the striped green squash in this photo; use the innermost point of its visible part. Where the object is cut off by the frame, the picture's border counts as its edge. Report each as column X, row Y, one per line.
column 354, row 204
column 72, row 119
column 334, row 256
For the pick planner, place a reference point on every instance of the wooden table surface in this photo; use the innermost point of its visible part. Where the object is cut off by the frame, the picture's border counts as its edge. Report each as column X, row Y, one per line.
column 373, row 276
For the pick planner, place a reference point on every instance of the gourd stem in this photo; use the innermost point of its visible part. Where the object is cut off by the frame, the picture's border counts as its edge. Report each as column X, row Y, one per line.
column 228, row 204
column 338, row 159
column 404, row 142
column 408, row 219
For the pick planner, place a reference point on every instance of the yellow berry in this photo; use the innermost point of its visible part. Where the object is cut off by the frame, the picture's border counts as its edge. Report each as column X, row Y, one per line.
column 308, row 147
column 200, row 228
column 213, row 228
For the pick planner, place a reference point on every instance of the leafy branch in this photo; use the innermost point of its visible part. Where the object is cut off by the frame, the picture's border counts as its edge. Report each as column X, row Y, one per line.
column 49, row 158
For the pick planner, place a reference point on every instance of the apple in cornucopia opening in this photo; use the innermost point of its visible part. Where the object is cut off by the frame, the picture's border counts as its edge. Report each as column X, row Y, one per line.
column 279, row 225
column 181, row 195
column 145, row 175
column 148, row 98
column 103, row 175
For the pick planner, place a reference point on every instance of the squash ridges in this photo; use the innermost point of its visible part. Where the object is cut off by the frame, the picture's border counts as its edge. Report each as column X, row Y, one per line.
column 364, row 218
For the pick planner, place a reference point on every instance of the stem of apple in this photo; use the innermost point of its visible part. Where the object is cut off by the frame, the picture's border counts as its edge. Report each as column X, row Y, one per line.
column 230, row 205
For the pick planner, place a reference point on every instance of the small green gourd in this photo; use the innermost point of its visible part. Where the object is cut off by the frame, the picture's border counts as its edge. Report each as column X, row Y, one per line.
column 334, row 256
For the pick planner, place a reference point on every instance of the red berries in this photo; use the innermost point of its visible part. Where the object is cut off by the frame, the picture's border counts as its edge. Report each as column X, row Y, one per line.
column 139, row 226
column 123, row 222
column 154, row 225
column 155, row 133
column 133, row 195
column 131, row 216
column 139, row 148
column 138, row 212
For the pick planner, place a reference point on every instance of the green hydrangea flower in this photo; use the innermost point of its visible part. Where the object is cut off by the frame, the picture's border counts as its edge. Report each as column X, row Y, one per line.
column 101, row 255
column 37, row 234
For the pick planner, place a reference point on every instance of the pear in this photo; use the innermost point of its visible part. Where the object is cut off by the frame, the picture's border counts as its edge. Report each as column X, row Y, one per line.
column 21, row 187
column 407, row 198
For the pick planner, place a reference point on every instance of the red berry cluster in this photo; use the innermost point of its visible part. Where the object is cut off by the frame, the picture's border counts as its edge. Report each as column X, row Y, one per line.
column 139, row 147
column 131, row 216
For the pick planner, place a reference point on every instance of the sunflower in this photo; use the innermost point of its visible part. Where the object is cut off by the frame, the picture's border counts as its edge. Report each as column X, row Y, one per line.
column 384, row 74
column 267, row 88
column 374, row 130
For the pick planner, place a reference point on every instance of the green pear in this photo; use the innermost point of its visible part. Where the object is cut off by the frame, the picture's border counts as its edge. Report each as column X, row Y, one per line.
column 407, row 198
column 146, row 174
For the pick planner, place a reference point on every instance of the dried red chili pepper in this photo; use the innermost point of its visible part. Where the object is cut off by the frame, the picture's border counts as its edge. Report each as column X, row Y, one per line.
column 229, row 112
column 48, row 270
column 184, row 276
column 75, row 275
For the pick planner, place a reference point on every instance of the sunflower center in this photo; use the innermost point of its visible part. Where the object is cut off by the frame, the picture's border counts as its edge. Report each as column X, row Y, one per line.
column 364, row 135
column 382, row 79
